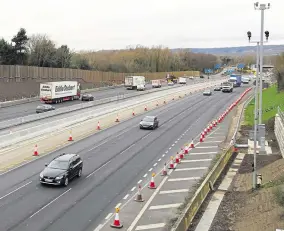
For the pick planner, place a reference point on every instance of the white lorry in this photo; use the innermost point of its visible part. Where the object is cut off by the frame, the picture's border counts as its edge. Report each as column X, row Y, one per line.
column 131, row 82
column 227, row 87
column 182, row 80
column 156, row 83
column 58, row 92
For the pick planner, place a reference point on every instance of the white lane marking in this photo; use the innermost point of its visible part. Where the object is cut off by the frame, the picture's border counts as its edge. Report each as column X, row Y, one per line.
column 151, row 226
column 133, row 189
column 50, row 203
column 203, row 153
column 207, row 147
column 118, row 205
column 213, row 141
column 163, row 155
column 145, row 175
column 99, row 227
column 170, row 148
column 155, row 165
column 190, row 169
column 124, row 198
column 175, row 141
column 150, row 169
column 174, row 191
column 183, row 179
column 148, row 135
column 139, row 181
column 108, row 216
column 214, row 137
column 127, row 149
column 98, row 169
column 147, row 205
column 192, row 161
column 166, row 152
column 168, row 206
column 15, row 190
column 159, row 159
column 173, row 145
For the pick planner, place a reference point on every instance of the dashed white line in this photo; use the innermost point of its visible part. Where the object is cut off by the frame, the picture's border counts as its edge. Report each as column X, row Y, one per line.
column 166, row 152
column 155, row 164
column 108, row 216
column 133, row 189
column 159, row 159
column 163, row 155
column 139, row 181
column 150, row 169
column 118, row 205
column 98, row 169
column 15, row 190
column 150, row 226
column 175, row 141
column 124, row 198
column 170, row 148
column 145, row 175
column 173, row 145
column 50, row 203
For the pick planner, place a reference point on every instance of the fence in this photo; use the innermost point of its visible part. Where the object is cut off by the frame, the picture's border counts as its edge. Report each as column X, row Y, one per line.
column 16, row 73
column 279, row 130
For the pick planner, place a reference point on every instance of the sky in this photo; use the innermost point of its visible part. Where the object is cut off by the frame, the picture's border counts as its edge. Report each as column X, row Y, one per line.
column 116, row 24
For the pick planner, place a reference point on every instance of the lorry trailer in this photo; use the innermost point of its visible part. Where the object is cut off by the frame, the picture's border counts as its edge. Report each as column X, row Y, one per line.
column 131, row 82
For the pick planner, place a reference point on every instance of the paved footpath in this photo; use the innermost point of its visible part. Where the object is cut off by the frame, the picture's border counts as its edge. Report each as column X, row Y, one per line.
column 161, row 204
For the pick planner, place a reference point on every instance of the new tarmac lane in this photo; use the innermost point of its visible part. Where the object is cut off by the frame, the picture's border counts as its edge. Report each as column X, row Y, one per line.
column 114, row 161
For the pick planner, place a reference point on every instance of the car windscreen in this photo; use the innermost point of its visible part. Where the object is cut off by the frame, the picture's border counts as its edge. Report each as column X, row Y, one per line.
column 148, row 119
column 58, row 164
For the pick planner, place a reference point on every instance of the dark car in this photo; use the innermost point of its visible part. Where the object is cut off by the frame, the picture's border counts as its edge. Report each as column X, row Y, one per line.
column 62, row 169
column 87, row 97
column 201, row 76
column 44, row 108
column 207, row 92
column 218, row 88
column 149, row 122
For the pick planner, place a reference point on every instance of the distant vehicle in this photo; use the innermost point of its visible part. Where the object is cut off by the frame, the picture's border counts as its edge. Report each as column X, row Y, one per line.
column 140, row 87
column 62, row 169
column 182, row 80
column 201, row 76
column 170, row 83
column 131, row 82
column 218, row 88
column 44, row 108
column 236, row 79
column 156, row 83
column 149, row 122
column 245, row 80
column 227, row 87
column 191, row 77
column 207, row 92
column 58, row 92
column 87, row 97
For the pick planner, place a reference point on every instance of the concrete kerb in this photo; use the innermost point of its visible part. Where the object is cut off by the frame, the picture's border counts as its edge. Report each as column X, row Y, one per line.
column 31, row 132
column 79, row 131
column 200, row 195
column 30, row 118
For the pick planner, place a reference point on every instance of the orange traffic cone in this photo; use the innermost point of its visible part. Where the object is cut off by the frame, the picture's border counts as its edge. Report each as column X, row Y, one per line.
column 133, row 113
column 172, row 165
column 202, row 134
column 192, row 144
column 145, row 109
column 139, row 195
column 152, row 182
column 164, row 101
column 98, row 126
column 164, row 172
column 117, row 120
column 177, row 159
column 179, row 96
column 173, row 98
column 35, row 151
column 116, row 223
column 211, row 126
column 205, row 131
column 201, row 139
column 157, row 104
column 181, row 156
column 70, row 137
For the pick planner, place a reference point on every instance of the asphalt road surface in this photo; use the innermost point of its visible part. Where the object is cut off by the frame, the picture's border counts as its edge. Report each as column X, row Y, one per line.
column 114, row 160
column 29, row 108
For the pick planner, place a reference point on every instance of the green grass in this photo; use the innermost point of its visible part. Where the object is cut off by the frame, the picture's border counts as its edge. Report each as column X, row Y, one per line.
column 270, row 101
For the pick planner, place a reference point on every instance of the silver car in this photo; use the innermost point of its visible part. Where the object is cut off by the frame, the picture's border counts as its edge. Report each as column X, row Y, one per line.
column 44, row 108
column 207, row 92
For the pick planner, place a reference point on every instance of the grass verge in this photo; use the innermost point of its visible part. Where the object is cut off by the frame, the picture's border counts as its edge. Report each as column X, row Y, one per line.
column 271, row 99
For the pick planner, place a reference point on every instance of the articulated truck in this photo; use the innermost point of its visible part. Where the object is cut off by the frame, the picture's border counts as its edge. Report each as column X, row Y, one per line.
column 132, row 82
column 58, row 92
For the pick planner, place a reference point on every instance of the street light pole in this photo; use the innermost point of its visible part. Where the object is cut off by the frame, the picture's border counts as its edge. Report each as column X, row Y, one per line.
column 262, row 8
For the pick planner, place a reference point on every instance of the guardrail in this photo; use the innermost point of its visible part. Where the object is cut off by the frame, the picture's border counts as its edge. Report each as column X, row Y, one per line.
column 200, row 195
column 279, row 130
column 43, row 128
column 34, row 117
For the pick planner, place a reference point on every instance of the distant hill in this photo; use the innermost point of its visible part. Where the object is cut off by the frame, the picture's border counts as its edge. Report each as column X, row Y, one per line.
column 247, row 50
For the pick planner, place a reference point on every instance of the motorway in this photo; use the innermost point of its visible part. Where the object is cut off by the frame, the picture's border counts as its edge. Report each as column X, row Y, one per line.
column 26, row 109
column 114, row 160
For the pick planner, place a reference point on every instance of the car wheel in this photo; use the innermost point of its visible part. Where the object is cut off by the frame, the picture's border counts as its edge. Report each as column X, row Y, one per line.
column 79, row 172
column 66, row 181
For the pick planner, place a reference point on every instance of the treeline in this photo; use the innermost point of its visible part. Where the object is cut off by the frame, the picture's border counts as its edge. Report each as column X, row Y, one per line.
column 279, row 71
column 39, row 50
